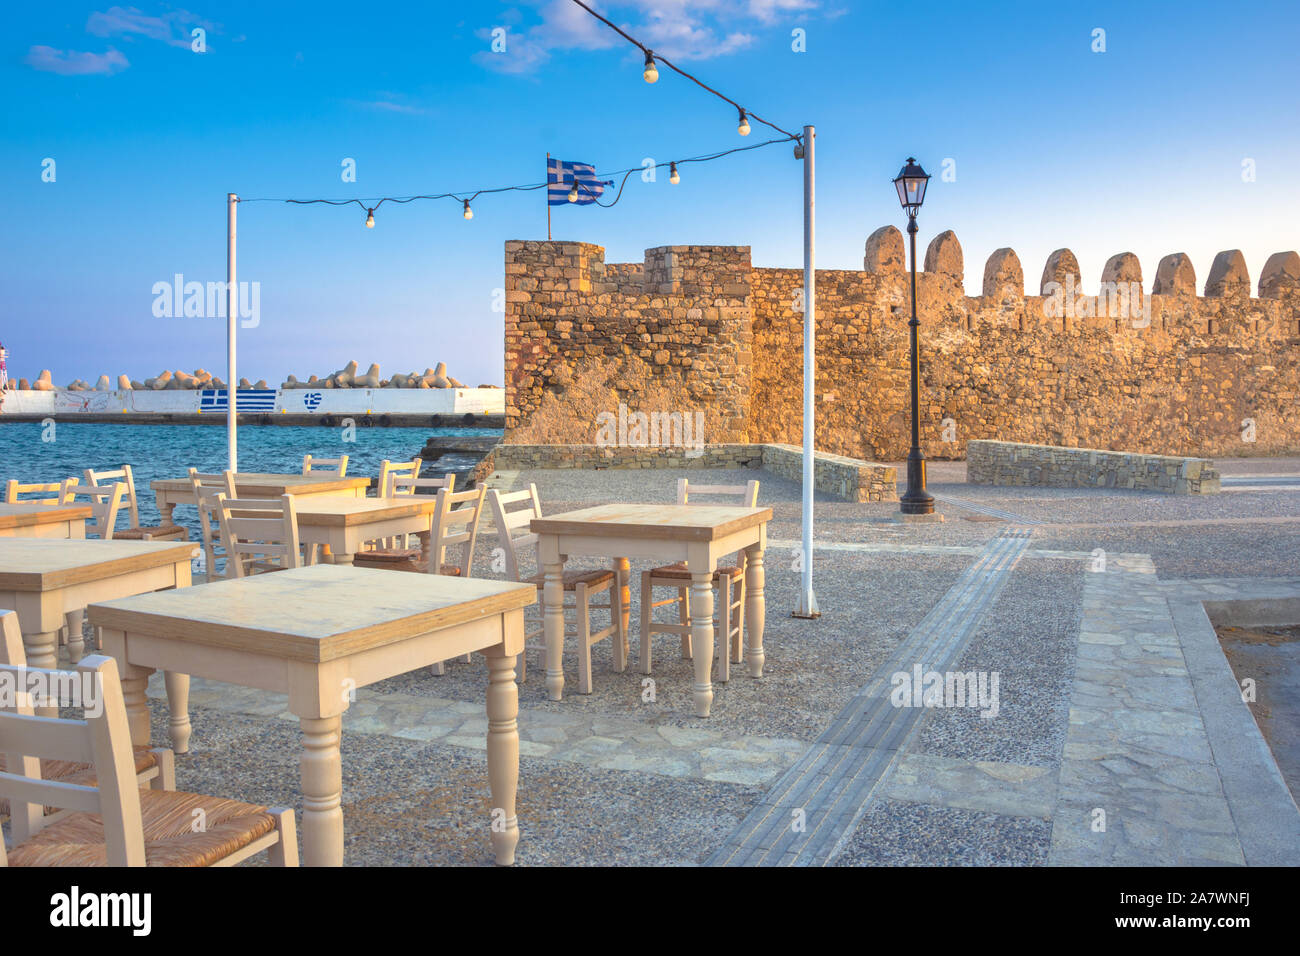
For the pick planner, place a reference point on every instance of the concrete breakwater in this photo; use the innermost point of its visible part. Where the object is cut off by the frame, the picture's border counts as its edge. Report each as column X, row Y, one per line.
column 468, row 407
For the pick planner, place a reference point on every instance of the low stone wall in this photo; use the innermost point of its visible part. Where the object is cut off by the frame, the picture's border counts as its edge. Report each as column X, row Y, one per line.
column 848, row 478
column 1050, row 466
column 845, row 478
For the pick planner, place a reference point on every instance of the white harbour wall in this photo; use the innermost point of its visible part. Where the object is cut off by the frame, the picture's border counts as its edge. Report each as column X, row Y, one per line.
column 295, row 401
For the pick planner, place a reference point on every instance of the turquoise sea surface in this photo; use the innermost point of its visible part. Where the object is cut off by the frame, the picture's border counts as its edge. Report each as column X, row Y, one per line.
column 31, row 452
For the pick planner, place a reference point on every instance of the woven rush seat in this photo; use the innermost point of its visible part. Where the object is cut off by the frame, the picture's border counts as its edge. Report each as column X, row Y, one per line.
column 83, row 774
column 387, row 556
column 679, row 570
column 412, row 563
column 157, row 533
column 169, row 839
column 572, row 578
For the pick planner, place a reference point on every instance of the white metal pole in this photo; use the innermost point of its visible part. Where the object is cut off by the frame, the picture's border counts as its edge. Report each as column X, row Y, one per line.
column 232, row 318
column 807, row 600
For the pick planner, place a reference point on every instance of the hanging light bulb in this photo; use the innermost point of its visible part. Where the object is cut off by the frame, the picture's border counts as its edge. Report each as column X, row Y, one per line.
column 573, row 190
column 370, row 219
column 651, row 73
column 743, row 128
column 672, row 174
column 469, row 213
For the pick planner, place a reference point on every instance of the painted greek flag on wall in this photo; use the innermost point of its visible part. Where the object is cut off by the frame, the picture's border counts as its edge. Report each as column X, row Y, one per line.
column 249, row 400
column 561, row 175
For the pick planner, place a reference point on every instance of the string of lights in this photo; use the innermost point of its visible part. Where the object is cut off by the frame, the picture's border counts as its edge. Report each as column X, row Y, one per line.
column 466, row 197
column 651, row 75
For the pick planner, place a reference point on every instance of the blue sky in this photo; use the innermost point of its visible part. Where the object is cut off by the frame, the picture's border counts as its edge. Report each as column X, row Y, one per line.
column 1139, row 148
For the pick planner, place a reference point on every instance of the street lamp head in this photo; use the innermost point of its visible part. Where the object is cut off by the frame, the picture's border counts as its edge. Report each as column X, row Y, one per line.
column 911, row 183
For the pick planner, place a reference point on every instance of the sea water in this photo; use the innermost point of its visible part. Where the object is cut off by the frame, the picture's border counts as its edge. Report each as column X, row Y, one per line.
column 32, row 452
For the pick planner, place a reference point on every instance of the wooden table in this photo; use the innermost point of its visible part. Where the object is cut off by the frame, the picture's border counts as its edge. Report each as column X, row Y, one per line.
column 31, row 519
column 696, row 534
column 171, row 492
column 44, row 579
column 317, row 634
column 344, row 524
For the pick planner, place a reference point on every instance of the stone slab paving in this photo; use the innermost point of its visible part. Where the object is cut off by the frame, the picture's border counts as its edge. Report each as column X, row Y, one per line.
column 1161, row 765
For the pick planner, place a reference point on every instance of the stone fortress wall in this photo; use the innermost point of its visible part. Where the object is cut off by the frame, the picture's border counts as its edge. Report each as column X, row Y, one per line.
column 1146, row 366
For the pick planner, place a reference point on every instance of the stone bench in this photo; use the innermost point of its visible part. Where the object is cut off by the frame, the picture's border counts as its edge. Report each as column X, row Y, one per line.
column 849, row 479
column 1051, row 466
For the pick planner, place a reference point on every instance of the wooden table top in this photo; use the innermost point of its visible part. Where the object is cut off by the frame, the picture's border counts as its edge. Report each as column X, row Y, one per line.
column 317, row 613
column 339, row 512
column 24, row 514
column 676, row 522
column 43, row 564
column 266, row 483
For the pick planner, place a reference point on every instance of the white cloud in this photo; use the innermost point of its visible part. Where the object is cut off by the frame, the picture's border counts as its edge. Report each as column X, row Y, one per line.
column 74, row 63
column 129, row 22
column 679, row 29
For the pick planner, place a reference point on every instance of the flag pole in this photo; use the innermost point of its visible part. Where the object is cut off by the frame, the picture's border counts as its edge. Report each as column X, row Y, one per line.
column 548, row 198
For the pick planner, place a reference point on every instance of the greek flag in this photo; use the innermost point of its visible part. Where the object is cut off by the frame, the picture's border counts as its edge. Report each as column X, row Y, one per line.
column 248, row 400
column 561, row 175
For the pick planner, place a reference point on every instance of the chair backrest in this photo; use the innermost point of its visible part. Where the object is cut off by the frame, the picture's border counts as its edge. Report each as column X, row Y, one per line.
column 508, row 522
column 54, row 491
column 325, row 466
column 747, row 493
column 258, row 534
column 206, row 488
column 410, row 469
column 455, row 521
column 127, row 478
column 399, row 485
column 105, row 502
column 102, row 738
column 11, row 640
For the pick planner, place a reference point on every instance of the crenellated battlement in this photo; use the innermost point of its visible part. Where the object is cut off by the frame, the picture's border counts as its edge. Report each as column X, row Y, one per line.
column 1139, row 360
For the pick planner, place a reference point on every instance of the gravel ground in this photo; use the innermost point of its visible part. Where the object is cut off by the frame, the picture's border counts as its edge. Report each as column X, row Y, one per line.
column 913, row 834
column 413, row 804
column 1028, row 637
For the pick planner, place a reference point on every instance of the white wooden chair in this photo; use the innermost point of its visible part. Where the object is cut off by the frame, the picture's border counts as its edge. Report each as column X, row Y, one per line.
column 46, row 492
column 311, row 465
column 391, row 552
column 113, row 822
column 387, row 469
column 154, row 767
column 206, row 488
column 728, row 579
column 452, row 526
column 134, row 531
column 259, row 534
column 105, row 502
column 583, row 585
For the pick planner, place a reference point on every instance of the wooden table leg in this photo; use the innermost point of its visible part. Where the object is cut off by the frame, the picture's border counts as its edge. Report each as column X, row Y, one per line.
column 755, row 609
column 702, row 638
column 75, row 621
column 165, row 509
column 135, row 681
column 321, row 768
column 42, row 650
column 624, row 570
column 178, row 710
column 553, row 614
column 503, row 752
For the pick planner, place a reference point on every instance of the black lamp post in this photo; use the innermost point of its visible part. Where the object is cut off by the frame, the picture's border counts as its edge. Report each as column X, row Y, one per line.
column 911, row 183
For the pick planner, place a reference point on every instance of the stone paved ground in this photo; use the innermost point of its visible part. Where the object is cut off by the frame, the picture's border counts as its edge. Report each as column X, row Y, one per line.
column 1119, row 736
